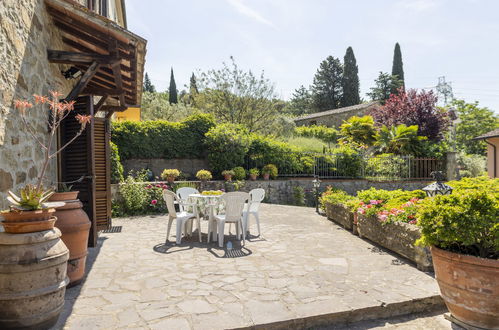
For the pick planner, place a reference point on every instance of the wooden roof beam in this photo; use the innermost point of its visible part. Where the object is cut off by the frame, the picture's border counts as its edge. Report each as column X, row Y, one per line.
column 103, row 91
column 61, row 56
column 83, row 81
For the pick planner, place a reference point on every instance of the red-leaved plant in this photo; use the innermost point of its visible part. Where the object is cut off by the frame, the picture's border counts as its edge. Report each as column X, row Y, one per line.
column 32, row 197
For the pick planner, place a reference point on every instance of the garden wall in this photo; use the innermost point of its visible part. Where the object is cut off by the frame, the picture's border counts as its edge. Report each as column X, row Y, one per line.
column 281, row 191
column 185, row 165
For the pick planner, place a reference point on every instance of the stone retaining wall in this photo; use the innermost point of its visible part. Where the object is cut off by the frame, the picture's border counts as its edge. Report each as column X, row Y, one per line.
column 186, row 166
column 26, row 32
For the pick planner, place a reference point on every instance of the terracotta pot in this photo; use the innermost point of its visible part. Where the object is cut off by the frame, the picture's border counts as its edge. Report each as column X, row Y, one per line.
column 253, row 177
column 26, row 216
column 64, row 196
column 170, row 179
column 266, row 176
column 32, row 279
column 469, row 286
column 22, row 227
column 228, row 177
column 75, row 227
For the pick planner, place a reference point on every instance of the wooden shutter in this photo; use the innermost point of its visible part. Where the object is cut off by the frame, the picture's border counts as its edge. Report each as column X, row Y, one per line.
column 77, row 160
column 102, row 174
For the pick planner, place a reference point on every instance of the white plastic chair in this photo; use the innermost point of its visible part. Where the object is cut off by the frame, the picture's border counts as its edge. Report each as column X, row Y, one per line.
column 234, row 205
column 182, row 217
column 251, row 208
column 184, row 192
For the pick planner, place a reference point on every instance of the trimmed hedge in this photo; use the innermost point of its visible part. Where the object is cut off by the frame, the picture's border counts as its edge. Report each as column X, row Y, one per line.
column 162, row 139
column 324, row 133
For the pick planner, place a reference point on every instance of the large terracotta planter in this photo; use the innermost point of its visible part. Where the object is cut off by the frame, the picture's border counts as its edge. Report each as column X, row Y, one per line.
column 253, row 177
column 228, row 177
column 266, row 176
column 75, row 227
column 64, row 196
column 398, row 237
column 469, row 286
column 32, row 279
column 20, row 216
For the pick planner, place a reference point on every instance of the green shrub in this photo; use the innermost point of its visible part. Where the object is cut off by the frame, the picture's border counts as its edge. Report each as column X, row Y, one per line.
column 254, row 171
column 227, row 145
column 324, row 133
column 116, row 166
column 358, row 131
column 386, row 167
column 239, row 173
column 465, row 222
column 394, row 196
column 344, row 161
column 170, row 172
column 270, row 169
column 228, row 172
column 334, row 196
column 299, row 195
column 483, row 183
column 162, row 139
column 264, row 150
column 307, row 144
column 472, row 165
column 140, row 198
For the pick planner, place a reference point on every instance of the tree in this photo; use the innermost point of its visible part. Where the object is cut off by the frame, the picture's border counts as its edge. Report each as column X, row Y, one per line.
column 193, row 86
column 400, row 139
column 385, row 83
column 350, row 81
column 413, row 108
column 156, row 106
column 300, row 103
column 327, row 87
column 398, row 67
column 359, row 131
column 473, row 121
column 172, row 91
column 235, row 96
column 148, row 86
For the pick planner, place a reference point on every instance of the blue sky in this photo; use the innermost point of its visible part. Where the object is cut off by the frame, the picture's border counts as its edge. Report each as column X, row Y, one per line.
column 289, row 38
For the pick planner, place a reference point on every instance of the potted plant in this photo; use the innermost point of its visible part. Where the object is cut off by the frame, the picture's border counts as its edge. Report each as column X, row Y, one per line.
column 228, row 174
column 64, row 193
column 462, row 231
column 269, row 171
column 254, row 173
column 239, row 173
column 170, row 174
column 204, row 175
column 31, row 211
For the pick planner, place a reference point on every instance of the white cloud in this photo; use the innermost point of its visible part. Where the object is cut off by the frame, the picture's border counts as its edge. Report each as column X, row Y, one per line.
column 249, row 12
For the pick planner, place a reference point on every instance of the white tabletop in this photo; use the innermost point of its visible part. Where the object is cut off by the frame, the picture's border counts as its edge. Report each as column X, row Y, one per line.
column 204, row 196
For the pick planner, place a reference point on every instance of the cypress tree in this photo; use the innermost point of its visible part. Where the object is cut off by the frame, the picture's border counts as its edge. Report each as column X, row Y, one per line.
column 326, row 89
column 172, row 91
column 193, row 88
column 350, row 81
column 398, row 66
column 148, row 86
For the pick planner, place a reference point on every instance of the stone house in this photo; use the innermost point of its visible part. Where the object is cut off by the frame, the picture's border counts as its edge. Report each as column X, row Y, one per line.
column 492, row 140
column 335, row 117
column 82, row 49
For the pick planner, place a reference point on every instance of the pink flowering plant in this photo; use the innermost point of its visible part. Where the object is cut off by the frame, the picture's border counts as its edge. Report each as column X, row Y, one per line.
column 370, row 208
column 405, row 212
column 155, row 197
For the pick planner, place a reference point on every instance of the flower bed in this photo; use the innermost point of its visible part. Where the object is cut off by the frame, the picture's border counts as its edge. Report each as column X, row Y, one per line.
column 399, row 237
column 340, row 213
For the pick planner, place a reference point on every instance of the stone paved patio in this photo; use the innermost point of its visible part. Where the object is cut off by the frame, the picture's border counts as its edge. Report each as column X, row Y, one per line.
column 303, row 268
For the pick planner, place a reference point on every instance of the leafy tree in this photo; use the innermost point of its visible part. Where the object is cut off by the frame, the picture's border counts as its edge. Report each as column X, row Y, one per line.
column 327, row 88
column 350, row 82
column 148, row 86
column 473, row 121
column 172, row 91
column 300, row 103
column 235, row 96
column 413, row 108
column 400, row 139
column 398, row 67
column 156, row 106
column 358, row 131
column 385, row 83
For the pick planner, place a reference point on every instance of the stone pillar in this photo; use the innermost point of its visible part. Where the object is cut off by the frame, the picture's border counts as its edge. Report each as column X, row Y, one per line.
column 451, row 166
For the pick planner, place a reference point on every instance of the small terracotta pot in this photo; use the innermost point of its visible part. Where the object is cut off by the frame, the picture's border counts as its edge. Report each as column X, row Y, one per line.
column 64, row 196
column 23, row 227
column 253, row 177
column 228, row 177
column 469, row 286
column 170, row 179
column 266, row 176
column 27, row 216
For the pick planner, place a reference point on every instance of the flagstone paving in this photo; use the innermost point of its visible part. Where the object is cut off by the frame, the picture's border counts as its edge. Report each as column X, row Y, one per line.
column 302, row 268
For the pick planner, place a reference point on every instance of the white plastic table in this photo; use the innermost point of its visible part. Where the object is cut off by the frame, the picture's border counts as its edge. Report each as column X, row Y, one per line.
column 209, row 202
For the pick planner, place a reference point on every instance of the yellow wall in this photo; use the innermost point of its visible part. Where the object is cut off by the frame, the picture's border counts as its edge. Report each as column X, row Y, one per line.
column 131, row 114
column 490, row 156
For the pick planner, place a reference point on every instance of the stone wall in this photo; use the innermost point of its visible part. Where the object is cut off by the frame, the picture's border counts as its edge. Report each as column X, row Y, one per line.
column 26, row 31
column 187, row 166
column 281, row 191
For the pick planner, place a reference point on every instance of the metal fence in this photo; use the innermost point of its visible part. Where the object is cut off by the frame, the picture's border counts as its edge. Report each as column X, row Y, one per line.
column 350, row 166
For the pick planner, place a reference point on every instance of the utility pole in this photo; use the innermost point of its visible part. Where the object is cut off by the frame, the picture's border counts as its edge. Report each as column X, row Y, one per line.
column 445, row 89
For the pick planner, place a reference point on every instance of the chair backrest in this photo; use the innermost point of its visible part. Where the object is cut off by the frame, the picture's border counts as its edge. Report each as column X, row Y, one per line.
column 170, row 197
column 234, row 204
column 184, row 192
column 257, row 196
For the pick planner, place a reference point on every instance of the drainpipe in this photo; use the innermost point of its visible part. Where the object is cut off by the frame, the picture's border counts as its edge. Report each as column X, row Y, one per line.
column 495, row 156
